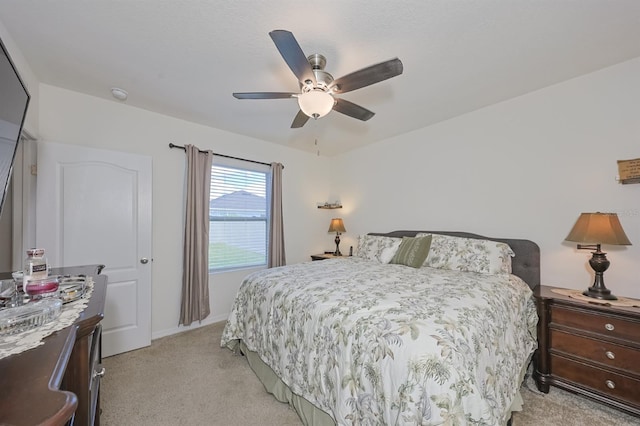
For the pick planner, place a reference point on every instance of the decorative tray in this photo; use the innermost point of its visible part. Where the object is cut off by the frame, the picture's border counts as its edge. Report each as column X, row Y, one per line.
column 20, row 312
column 31, row 315
column 72, row 287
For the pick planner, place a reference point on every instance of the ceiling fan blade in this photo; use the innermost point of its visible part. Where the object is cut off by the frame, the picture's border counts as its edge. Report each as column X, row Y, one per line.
column 367, row 76
column 264, row 95
column 352, row 110
column 300, row 120
column 293, row 56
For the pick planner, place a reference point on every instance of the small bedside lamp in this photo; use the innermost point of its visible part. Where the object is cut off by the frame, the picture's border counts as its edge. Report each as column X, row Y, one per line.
column 337, row 226
column 596, row 229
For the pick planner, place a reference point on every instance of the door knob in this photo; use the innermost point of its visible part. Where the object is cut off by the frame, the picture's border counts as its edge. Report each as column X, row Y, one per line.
column 144, row 260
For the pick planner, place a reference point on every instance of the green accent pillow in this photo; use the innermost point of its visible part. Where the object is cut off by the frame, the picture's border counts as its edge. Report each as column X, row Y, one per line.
column 412, row 251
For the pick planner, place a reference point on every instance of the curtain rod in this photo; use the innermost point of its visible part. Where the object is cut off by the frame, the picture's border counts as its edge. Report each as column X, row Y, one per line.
column 172, row 145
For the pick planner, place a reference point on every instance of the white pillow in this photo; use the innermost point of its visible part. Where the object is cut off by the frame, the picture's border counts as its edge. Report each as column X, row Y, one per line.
column 378, row 248
column 469, row 255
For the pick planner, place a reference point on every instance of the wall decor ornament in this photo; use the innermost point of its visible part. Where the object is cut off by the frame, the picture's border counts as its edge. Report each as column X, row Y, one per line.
column 629, row 171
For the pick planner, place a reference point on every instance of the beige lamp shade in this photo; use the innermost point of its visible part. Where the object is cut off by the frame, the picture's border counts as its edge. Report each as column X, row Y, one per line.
column 598, row 228
column 336, row 225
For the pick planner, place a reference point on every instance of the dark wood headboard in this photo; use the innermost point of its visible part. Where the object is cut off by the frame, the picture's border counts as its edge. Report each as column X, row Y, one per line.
column 525, row 263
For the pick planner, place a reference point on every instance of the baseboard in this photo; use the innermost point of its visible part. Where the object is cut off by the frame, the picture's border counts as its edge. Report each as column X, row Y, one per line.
column 193, row 326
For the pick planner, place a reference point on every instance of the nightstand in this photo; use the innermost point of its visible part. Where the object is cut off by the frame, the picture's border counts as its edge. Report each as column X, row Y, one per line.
column 589, row 349
column 324, row 256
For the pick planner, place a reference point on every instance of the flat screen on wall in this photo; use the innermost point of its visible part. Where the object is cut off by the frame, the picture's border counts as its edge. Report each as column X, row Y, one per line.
column 14, row 100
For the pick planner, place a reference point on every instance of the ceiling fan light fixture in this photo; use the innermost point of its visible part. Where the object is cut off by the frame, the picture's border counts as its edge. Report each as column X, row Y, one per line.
column 316, row 103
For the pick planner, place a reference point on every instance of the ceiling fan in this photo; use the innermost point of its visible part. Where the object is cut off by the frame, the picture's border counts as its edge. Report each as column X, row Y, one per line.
column 317, row 87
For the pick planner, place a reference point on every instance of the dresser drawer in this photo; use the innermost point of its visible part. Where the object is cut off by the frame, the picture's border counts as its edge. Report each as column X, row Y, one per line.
column 613, row 385
column 97, row 372
column 606, row 353
column 597, row 322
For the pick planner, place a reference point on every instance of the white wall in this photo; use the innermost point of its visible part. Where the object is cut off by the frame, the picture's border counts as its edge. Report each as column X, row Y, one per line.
column 73, row 118
column 524, row 168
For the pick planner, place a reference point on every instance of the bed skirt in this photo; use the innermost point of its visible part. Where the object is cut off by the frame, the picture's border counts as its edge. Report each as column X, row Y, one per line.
column 309, row 413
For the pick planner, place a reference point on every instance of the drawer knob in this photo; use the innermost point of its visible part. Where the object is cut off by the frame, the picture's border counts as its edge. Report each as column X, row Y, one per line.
column 99, row 373
column 610, row 384
column 609, row 327
column 610, row 355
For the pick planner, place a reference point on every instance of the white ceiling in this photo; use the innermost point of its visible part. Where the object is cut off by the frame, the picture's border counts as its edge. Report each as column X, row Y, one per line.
column 184, row 58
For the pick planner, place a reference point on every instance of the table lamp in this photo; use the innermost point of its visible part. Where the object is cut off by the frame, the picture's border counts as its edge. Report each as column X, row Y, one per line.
column 337, row 226
column 596, row 229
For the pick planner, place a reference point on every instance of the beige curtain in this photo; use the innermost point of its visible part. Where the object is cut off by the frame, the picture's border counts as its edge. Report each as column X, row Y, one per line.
column 276, row 229
column 195, row 273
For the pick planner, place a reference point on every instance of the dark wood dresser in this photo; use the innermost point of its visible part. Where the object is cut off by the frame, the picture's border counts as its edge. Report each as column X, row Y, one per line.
column 588, row 348
column 58, row 381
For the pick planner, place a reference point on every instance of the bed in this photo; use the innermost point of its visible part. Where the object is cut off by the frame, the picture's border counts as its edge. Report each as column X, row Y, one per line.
column 385, row 337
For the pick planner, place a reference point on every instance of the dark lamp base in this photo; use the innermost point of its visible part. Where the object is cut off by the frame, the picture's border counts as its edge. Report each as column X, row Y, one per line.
column 337, row 241
column 599, row 264
column 599, row 294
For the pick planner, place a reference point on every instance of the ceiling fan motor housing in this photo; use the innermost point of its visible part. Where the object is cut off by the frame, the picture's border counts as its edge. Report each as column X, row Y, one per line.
column 317, row 61
column 323, row 78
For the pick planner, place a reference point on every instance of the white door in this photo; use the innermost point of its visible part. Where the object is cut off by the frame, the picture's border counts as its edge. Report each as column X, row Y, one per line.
column 94, row 207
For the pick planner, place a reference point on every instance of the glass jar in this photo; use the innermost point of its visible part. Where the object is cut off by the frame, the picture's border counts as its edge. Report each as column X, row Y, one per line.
column 41, row 288
column 35, row 265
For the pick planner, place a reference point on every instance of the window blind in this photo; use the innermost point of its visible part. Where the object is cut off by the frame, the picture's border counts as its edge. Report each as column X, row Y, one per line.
column 238, row 212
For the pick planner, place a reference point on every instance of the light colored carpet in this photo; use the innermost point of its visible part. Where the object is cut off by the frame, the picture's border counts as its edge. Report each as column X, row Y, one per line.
column 188, row 379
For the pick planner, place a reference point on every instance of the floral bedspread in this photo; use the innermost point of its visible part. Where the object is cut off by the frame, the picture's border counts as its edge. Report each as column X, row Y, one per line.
column 373, row 343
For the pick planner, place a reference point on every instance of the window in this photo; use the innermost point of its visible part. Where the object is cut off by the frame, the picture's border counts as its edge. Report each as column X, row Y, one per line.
column 238, row 215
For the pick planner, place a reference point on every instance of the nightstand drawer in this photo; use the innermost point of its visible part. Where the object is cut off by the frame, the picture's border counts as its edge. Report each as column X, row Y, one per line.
column 596, row 322
column 614, row 385
column 606, row 353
